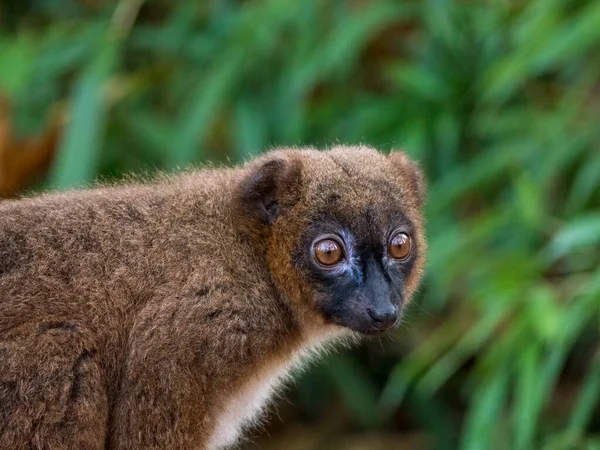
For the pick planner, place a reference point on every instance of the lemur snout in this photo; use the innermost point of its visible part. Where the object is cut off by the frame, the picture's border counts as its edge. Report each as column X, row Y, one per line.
column 384, row 316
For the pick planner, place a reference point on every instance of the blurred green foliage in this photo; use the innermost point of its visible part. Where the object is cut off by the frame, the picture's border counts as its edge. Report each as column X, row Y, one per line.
column 499, row 100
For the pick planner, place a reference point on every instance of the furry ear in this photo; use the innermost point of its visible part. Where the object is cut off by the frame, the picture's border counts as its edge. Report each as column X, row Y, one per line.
column 412, row 173
column 269, row 187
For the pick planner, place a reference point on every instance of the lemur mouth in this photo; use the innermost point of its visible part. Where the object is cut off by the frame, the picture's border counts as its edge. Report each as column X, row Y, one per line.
column 372, row 332
column 376, row 330
column 371, row 328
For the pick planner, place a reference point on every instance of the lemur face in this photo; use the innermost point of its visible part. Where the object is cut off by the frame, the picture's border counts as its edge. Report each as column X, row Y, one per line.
column 360, row 247
column 359, row 262
column 344, row 232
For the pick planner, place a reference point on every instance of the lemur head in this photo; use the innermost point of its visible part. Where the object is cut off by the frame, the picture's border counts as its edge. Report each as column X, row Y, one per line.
column 342, row 231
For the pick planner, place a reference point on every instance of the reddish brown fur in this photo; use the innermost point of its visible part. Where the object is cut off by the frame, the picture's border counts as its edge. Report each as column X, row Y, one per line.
column 129, row 315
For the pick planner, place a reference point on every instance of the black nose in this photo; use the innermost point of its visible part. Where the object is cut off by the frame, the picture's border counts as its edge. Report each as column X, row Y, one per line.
column 384, row 317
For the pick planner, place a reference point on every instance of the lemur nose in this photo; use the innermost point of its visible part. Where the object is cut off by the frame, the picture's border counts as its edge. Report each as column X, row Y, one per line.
column 384, row 316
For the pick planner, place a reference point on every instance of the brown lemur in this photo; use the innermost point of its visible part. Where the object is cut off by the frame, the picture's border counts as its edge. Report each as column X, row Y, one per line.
column 161, row 315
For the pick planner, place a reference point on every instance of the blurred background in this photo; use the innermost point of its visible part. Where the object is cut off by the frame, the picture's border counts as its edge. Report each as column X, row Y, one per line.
column 499, row 100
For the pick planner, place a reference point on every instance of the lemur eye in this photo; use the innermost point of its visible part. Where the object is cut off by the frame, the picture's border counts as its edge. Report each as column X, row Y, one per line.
column 400, row 246
column 328, row 252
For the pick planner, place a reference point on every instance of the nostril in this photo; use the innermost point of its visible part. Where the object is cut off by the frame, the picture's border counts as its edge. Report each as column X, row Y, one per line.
column 374, row 315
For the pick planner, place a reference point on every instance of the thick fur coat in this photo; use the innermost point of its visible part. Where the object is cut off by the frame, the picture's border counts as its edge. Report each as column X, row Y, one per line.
column 161, row 315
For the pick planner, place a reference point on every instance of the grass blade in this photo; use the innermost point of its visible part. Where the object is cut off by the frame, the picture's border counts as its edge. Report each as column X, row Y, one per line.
column 77, row 159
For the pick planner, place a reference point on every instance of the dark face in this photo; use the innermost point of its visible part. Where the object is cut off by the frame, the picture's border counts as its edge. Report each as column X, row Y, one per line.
column 358, row 266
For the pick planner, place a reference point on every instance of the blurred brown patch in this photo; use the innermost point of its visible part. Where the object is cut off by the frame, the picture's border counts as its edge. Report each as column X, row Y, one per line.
column 23, row 159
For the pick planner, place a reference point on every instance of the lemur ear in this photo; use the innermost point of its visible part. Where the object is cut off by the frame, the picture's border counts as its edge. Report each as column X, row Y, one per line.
column 269, row 187
column 412, row 173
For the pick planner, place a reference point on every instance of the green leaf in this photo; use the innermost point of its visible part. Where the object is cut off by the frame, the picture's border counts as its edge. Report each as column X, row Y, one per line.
column 204, row 107
column 525, row 411
column 485, row 412
column 580, row 232
column 250, row 130
column 17, row 59
column 77, row 160
column 585, row 184
column 419, row 81
column 587, row 402
column 544, row 313
column 473, row 339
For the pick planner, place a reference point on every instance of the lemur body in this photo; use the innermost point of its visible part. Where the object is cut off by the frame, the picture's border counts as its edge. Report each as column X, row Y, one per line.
column 163, row 315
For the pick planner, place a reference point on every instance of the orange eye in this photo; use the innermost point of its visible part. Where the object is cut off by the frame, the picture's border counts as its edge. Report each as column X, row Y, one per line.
column 328, row 252
column 400, row 246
